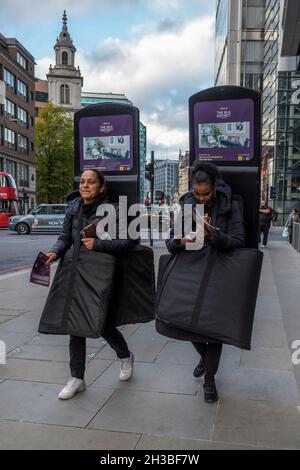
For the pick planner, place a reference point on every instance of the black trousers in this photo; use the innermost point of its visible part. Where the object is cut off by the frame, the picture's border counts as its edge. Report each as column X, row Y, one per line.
column 211, row 355
column 77, row 347
column 263, row 229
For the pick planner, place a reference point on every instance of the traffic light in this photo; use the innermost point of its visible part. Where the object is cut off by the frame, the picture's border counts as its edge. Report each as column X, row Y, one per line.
column 273, row 192
column 149, row 171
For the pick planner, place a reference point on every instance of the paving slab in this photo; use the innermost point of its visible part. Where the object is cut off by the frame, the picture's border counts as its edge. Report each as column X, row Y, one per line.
column 179, row 353
column 44, row 352
column 48, row 372
column 268, row 334
column 12, row 312
column 147, row 331
column 258, row 423
column 20, row 325
column 14, row 340
column 128, row 330
column 167, row 443
column 143, row 350
column 267, row 358
column 5, row 318
column 63, row 340
column 256, row 384
column 38, row 403
column 158, row 414
column 31, row 436
column 167, row 378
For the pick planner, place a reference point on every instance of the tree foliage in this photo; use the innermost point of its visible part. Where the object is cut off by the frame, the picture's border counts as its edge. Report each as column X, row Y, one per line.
column 54, row 154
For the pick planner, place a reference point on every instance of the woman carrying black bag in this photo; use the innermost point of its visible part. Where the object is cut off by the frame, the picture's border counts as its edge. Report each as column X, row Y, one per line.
column 219, row 211
column 82, row 211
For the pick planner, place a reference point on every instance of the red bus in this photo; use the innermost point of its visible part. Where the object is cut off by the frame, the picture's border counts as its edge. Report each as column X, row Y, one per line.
column 159, row 197
column 8, row 198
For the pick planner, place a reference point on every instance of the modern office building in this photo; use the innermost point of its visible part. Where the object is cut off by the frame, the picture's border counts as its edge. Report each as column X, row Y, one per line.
column 281, row 106
column 239, row 43
column 166, row 177
column 17, row 137
column 95, row 98
column 258, row 46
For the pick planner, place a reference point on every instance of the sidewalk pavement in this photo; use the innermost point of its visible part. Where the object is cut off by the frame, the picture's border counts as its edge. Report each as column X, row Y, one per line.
column 162, row 407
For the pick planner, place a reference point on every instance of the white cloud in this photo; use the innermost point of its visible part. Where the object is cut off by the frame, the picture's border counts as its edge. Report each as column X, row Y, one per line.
column 158, row 72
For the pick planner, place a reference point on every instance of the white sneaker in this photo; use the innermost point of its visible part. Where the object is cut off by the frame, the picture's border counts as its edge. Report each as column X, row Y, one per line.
column 263, row 246
column 126, row 367
column 73, row 386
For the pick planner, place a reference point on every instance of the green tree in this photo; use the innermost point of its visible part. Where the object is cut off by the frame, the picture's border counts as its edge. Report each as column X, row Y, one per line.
column 54, row 154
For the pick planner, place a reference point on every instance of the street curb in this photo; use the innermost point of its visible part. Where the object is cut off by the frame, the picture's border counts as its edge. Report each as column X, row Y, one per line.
column 16, row 270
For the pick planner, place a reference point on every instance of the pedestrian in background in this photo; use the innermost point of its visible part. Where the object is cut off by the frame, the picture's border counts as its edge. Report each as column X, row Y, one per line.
column 292, row 218
column 264, row 222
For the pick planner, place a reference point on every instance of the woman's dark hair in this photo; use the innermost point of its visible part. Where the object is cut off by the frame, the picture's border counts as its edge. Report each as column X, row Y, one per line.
column 204, row 172
column 100, row 177
column 295, row 209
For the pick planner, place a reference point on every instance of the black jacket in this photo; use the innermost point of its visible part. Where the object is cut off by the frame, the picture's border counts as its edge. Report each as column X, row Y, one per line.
column 226, row 215
column 70, row 228
column 265, row 219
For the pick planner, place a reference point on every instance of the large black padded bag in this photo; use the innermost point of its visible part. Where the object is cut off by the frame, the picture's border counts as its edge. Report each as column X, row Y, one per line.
column 210, row 292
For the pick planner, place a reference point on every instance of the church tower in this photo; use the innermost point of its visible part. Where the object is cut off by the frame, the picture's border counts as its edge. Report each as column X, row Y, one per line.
column 64, row 80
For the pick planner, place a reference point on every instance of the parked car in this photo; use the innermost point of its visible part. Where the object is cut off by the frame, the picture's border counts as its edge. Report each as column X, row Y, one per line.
column 43, row 218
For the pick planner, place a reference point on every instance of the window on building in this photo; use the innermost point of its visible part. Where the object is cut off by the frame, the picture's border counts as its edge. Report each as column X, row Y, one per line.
column 22, row 143
column 64, row 58
column 9, row 138
column 21, row 60
column 22, row 90
column 9, row 109
column 11, row 168
column 65, row 94
column 41, row 96
column 22, row 117
column 23, row 175
column 9, row 79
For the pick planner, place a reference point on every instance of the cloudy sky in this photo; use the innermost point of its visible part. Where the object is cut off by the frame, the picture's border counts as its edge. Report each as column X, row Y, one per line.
column 157, row 52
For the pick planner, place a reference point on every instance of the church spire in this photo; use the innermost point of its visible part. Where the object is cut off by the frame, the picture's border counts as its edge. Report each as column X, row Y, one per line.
column 65, row 21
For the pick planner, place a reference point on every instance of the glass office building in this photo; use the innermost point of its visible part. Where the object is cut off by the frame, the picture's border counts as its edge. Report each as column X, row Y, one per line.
column 239, row 43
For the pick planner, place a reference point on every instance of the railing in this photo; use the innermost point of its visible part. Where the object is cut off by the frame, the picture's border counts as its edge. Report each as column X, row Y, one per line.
column 296, row 237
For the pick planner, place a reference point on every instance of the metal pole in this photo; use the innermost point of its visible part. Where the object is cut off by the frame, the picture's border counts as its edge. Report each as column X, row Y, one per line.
column 152, row 194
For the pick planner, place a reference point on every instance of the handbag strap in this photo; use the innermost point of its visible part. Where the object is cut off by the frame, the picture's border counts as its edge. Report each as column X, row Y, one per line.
column 168, row 268
column 73, row 270
column 210, row 262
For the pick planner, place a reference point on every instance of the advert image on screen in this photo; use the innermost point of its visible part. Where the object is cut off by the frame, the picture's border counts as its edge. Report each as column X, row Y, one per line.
column 109, row 152
column 224, row 135
column 224, row 130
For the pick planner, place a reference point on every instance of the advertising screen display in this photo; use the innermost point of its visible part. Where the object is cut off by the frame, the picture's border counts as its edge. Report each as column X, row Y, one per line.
column 106, row 142
column 224, row 130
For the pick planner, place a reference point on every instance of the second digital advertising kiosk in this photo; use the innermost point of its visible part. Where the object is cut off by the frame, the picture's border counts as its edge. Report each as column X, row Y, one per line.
column 225, row 129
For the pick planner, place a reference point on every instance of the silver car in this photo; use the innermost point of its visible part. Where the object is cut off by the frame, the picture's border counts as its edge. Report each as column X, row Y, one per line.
column 44, row 218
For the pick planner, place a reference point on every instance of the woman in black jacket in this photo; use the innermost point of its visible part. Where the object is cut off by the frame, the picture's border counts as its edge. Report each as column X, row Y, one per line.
column 93, row 193
column 219, row 211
